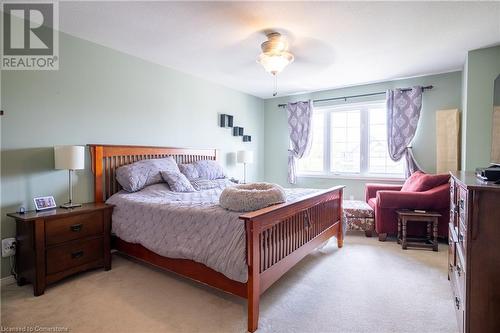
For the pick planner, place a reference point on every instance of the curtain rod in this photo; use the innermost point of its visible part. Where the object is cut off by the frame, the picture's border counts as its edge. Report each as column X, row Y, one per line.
column 356, row 96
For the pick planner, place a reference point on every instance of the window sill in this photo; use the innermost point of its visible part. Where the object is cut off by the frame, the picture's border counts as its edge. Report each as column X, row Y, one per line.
column 352, row 177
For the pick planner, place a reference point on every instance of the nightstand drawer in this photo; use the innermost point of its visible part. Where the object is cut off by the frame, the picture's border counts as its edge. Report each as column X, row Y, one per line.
column 73, row 227
column 76, row 253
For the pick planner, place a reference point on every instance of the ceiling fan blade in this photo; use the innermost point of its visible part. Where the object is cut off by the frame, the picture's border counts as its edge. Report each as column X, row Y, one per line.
column 313, row 51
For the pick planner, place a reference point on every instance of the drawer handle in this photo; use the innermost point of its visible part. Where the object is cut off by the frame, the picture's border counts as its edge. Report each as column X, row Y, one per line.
column 459, row 270
column 457, row 302
column 77, row 254
column 76, row 227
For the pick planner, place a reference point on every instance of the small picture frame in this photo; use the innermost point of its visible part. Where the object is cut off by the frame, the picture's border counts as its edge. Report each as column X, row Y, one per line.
column 43, row 203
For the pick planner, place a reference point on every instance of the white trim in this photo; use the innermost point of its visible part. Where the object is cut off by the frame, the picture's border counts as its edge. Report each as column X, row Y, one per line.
column 351, row 177
column 8, row 280
column 347, row 106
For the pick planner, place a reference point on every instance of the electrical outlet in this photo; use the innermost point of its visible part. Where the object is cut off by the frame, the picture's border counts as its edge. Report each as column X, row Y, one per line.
column 8, row 247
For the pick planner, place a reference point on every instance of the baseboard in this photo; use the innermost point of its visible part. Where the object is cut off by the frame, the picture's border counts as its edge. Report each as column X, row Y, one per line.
column 8, row 280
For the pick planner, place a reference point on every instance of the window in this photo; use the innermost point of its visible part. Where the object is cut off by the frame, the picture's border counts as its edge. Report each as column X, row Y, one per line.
column 350, row 140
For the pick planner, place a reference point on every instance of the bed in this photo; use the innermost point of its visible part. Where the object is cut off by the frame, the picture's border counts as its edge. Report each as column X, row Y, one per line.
column 253, row 250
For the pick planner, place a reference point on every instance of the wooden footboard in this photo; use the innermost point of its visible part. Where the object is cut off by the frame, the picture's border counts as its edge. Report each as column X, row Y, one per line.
column 278, row 237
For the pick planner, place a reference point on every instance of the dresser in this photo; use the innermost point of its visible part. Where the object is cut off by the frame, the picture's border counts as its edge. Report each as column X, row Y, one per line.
column 53, row 244
column 474, row 253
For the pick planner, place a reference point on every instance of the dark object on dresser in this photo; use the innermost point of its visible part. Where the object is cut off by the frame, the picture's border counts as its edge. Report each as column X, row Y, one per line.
column 431, row 218
column 491, row 173
column 54, row 244
column 474, row 253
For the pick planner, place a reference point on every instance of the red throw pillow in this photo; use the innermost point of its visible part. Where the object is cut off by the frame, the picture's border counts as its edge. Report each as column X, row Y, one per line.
column 431, row 181
column 413, row 183
column 420, row 182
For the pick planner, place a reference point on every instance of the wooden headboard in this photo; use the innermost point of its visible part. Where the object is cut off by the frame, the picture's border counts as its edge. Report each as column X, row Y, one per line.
column 105, row 159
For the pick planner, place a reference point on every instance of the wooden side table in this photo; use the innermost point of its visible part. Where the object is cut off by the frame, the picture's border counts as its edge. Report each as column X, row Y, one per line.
column 57, row 243
column 431, row 218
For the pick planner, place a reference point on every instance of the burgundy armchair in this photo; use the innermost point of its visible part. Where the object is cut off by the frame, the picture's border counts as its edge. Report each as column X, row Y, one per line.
column 432, row 196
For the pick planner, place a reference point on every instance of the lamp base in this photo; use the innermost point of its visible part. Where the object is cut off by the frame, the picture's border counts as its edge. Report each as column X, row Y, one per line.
column 70, row 205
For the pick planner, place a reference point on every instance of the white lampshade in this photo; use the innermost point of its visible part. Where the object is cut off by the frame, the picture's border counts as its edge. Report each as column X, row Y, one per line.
column 245, row 156
column 69, row 157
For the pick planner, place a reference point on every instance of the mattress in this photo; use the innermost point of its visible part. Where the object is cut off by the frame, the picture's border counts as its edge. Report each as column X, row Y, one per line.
column 188, row 225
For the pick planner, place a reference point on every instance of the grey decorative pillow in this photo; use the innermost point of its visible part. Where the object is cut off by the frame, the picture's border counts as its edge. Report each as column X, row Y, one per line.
column 189, row 170
column 203, row 184
column 208, row 169
column 134, row 177
column 207, row 184
column 177, row 181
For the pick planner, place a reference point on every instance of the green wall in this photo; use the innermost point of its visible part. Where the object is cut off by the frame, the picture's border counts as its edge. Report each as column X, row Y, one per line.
column 445, row 95
column 103, row 96
column 100, row 95
column 482, row 68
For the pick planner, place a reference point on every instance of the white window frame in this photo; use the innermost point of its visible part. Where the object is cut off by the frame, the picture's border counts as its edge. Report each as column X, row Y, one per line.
column 364, row 145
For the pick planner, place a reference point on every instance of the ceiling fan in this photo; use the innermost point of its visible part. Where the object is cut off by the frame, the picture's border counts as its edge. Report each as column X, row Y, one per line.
column 310, row 56
column 275, row 56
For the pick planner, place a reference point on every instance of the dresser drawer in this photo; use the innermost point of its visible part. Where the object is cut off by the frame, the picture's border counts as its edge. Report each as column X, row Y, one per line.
column 460, row 276
column 451, row 253
column 73, row 227
column 76, row 253
column 458, row 303
column 462, row 238
column 453, row 203
column 462, row 205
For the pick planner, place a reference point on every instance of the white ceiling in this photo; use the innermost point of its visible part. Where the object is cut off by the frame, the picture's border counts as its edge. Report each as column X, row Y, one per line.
column 336, row 43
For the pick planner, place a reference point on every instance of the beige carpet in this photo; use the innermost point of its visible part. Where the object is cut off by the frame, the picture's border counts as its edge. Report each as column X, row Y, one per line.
column 367, row 286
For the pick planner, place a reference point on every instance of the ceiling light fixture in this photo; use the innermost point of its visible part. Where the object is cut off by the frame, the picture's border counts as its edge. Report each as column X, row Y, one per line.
column 275, row 56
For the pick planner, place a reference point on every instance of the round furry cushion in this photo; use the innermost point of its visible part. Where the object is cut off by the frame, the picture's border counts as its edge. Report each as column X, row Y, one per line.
column 253, row 196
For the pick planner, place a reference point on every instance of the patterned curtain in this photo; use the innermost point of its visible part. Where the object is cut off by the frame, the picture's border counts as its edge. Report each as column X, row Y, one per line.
column 299, row 128
column 403, row 113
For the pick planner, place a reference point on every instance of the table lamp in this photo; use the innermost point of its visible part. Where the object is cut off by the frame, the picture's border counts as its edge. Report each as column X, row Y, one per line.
column 69, row 158
column 245, row 157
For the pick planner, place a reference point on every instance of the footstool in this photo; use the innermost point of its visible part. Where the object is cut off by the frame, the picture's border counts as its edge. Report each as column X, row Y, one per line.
column 358, row 215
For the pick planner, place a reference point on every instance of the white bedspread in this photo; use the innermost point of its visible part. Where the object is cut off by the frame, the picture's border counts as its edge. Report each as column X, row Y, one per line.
column 186, row 225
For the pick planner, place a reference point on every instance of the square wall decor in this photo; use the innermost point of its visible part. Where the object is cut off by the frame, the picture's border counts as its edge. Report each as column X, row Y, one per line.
column 226, row 120
column 237, row 131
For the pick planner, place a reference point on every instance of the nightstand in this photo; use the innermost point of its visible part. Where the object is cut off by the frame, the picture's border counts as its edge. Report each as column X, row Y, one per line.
column 60, row 242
